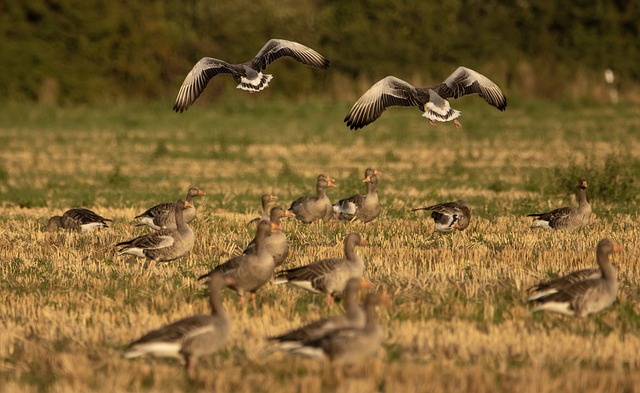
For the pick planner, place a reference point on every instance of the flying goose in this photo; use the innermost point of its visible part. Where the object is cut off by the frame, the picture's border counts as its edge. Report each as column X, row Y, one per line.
column 354, row 317
column 581, row 293
column 250, row 271
column 248, row 75
column 161, row 216
column 449, row 215
column 364, row 207
column 191, row 337
column 392, row 91
column 265, row 200
column 80, row 220
column 312, row 208
column 276, row 242
column 349, row 345
column 165, row 244
column 330, row 275
column 566, row 217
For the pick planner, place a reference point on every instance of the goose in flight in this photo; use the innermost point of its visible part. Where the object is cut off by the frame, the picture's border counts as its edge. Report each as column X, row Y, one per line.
column 392, row 91
column 249, row 74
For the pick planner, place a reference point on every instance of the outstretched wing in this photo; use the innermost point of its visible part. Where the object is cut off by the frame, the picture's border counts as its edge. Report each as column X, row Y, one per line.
column 466, row 81
column 390, row 91
column 276, row 48
column 197, row 80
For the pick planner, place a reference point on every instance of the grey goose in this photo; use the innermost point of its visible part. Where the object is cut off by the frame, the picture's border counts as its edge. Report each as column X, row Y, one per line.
column 192, row 337
column 449, row 215
column 364, row 207
column 276, row 242
column 79, row 220
column 265, row 200
column 566, row 217
column 161, row 216
column 432, row 101
column 581, row 293
column 249, row 74
column 313, row 208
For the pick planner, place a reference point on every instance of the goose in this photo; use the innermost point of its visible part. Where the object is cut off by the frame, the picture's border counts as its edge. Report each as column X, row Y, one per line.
column 161, row 216
column 581, row 293
column 249, row 271
column 248, row 75
column 79, row 220
column 265, row 200
column 365, row 207
column 449, row 215
column 311, row 208
column 432, row 101
column 354, row 317
column 349, row 345
column 566, row 217
column 165, row 244
column 330, row 275
column 192, row 337
column 276, row 243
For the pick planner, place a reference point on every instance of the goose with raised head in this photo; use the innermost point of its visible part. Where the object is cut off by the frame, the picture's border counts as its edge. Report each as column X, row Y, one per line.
column 250, row 271
column 163, row 245
column 354, row 317
column 161, row 215
column 580, row 293
column 192, row 337
column 364, row 207
column 248, row 75
column 312, row 208
column 79, row 220
column 328, row 276
column 432, row 101
column 265, row 200
column 449, row 215
column 566, row 217
column 276, row 242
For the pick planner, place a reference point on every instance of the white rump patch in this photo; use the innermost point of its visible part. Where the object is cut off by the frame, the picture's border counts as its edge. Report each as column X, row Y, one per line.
column 92, row 226
column 304, row 285
column 443, row 227
column 158, row 349
column 256, row 84
column 540, row 224
column 346, row 208
column 440, row 113
column 542, row 293
column 311, row 352
column 148, row 221
column 559, row 307
column 137, row 251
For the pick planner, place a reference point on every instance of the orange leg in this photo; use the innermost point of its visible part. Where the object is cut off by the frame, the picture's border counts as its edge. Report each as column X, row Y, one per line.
column 457, row 123
column 433, row 122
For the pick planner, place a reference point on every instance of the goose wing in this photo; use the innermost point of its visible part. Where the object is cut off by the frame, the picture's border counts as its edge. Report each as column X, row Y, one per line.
column 276, row 48
column 464, row 81
column 390, row 91
column 198, row 78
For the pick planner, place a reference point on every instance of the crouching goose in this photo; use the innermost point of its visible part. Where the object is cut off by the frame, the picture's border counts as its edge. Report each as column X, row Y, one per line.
column 349, row 345
column 311, row 208
column 80, row 220
column 566, row 217
column 276, row 243
column 449, row 215
column 583, row 292
column 330, row 275
column 265, row 200
column 165, row 244
column 354, row 317
column 432, row 101
column 191, row 337
column 364, row 207
column 248, row 75
column 249, row 271
column 161, row 216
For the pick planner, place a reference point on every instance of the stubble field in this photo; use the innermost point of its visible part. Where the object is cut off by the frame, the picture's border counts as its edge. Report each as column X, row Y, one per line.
column 458, row 321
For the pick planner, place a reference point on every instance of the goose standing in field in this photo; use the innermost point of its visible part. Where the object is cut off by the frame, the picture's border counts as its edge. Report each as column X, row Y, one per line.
column 349, row 345
column 249, row 271
column 583, row 292
column 265, row 200
column 161, row 216
column 566, row 217
column 312, row 208
column 364, row 207
column 354, row 317
column 449, row 215
column 80, row 220
column 276, row 242
column 432, row 101
column 165, row 244
column 191, row 337
column 248, row 75
column 330, row 275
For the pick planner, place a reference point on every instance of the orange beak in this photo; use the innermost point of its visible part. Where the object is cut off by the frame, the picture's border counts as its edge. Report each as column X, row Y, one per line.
column 201, row 193
column 289, row 213
column 377, row 172
column 273, row 198
column 617, row 247
column 367, row 179
column 365, row 284
column 362, row 242
column 187, row 205
column 331, row 183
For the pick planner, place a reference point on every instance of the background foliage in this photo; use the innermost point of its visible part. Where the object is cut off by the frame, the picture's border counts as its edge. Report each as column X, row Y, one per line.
column 71, row 51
